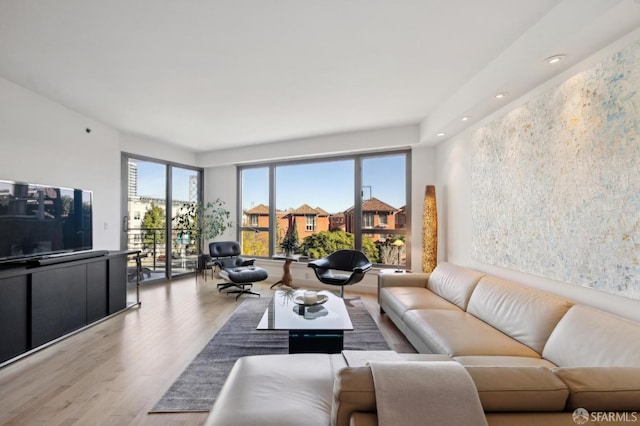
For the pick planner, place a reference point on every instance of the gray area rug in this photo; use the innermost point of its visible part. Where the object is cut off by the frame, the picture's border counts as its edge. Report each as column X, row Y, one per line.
column 198, row 386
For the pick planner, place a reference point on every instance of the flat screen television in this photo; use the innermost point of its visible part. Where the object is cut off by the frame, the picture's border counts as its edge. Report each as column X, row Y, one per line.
column 38, row 220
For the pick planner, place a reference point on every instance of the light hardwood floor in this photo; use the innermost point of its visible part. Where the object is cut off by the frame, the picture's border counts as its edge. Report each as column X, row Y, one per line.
column 113, row 373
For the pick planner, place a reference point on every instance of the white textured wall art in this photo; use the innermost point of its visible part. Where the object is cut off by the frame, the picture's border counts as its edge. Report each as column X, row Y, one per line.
column 556, row 182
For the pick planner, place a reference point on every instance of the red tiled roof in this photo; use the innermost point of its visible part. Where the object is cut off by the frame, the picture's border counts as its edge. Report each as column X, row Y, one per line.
column 259, row 209
column 322, row 212
column 375, row 205
column 305, row 209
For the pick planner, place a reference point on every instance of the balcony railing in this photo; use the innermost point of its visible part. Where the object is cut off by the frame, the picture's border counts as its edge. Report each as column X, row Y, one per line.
column 152, row 244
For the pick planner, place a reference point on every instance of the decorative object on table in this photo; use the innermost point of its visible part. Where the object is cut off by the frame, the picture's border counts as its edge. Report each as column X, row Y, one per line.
column 310, row 298
column 290, row 246
column 287, row 277
column 429, row 230
column 352, row 261
column 202, row 222
column 398, row 244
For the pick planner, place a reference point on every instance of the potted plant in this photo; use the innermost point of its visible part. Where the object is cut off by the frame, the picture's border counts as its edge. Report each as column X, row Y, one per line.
column 289, row 245
column 290, row 241
column 202, row 222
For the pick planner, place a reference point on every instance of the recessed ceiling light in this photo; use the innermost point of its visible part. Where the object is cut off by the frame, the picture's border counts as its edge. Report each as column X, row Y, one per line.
column 465, row 118
column 500, row 95
column 440, row 134
column 555, row 59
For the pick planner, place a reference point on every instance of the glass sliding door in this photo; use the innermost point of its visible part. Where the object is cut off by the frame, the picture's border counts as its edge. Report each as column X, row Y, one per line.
column 155, row 191
column 146, row 215
column 185, row 190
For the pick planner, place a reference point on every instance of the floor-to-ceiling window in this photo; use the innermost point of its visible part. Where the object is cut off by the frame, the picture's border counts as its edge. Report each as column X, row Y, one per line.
column 255, row 237
column 358, row 201
column 155, row 193
column 384, row 183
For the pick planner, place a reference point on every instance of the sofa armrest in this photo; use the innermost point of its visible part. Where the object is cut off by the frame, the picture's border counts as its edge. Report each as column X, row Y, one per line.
column 418, row 279
column 353, row 390
column 602, row 388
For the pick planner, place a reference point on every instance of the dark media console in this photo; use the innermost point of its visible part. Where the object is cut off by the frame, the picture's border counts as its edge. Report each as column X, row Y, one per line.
column 42, row 303
column 53, row 259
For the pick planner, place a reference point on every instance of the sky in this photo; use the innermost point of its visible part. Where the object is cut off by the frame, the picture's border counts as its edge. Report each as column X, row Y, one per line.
column 151, row 181
column 329, row 184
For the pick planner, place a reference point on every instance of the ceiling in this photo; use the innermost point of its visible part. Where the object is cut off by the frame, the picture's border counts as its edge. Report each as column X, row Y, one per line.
column 214, row 74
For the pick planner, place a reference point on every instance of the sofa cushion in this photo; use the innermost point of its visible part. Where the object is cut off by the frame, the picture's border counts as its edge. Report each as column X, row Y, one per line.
column 525, row 314
column 457, row 333
column 519, row 388
column 602, row 388
column 503, row 361
column 402, row 299
column 588, row 337
column 277, row 390
column 453, row 283
column 533, row 419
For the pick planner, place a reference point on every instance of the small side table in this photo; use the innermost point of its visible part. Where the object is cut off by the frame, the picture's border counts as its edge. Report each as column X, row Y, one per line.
column 287, row 278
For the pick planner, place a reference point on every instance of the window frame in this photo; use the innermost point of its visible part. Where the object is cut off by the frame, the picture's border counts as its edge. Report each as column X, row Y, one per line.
column 359, row 229
column 383, row 219
column 368, row 220
column 310, row 222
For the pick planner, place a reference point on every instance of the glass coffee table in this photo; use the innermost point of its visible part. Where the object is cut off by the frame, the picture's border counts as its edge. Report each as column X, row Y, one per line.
column 317, row 328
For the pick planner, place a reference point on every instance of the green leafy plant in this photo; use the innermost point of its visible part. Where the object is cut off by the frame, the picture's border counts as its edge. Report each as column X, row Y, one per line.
column 153, row 224
column 290, row 245
column 202, row 222
column 290, row 241
column 323, row 243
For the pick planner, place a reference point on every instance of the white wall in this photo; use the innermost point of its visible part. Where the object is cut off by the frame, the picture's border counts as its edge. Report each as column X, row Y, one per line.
column 423, row 173
column 146, row 147
column 220, row 182
column 454, row 207
column 343, row 143
column 44, row 142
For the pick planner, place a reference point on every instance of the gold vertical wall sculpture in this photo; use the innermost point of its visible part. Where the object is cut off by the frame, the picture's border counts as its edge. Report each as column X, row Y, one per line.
column 429, row 230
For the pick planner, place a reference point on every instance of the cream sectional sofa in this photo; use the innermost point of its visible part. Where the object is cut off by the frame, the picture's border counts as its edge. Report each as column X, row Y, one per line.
column 482, row 320
column 533, row 359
